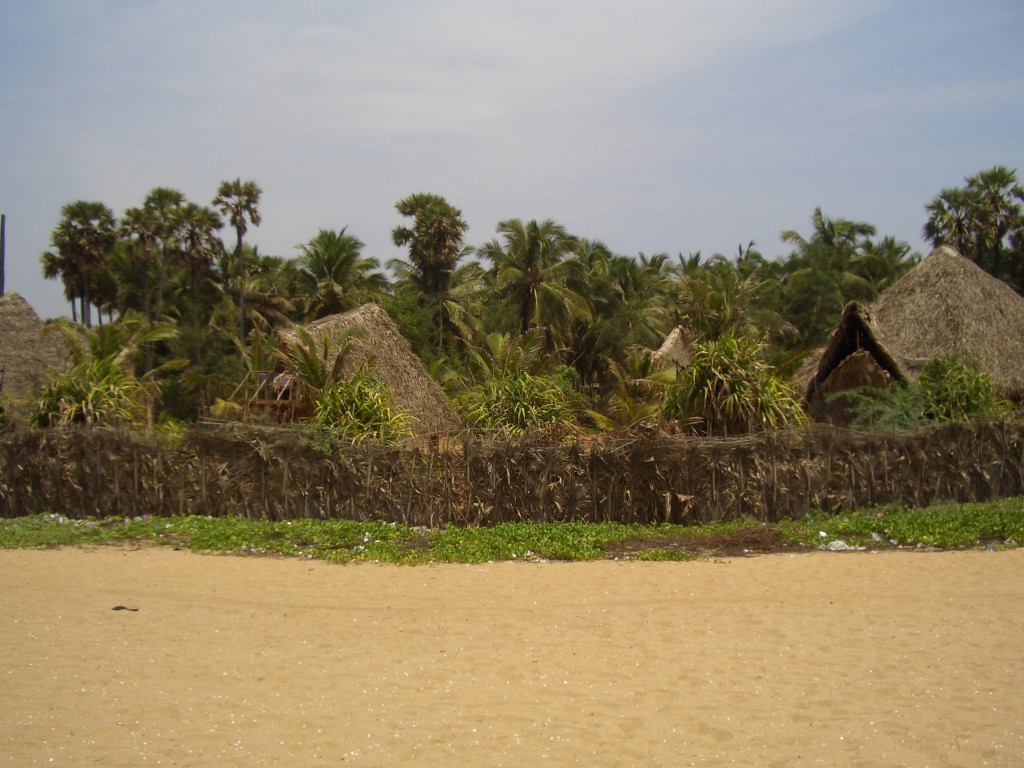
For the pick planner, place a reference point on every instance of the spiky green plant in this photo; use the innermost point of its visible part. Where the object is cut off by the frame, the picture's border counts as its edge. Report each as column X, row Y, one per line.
column 729, row 389
column 99, row 392
column 360, row 408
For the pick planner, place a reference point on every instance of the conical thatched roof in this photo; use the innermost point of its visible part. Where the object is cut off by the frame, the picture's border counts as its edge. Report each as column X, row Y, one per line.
column 27, row 354
column 949, row 305
column 412, row 388
column 676, row 348
column 945, row 305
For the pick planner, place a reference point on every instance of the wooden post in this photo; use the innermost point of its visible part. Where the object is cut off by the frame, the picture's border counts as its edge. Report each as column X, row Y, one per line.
column 3, row 249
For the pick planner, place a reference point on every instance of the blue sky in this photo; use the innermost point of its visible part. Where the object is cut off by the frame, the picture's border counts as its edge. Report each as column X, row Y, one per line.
column 653, row 125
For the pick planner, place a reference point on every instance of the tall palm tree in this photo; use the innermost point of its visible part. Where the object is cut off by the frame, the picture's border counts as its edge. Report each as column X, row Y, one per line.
column 82, row 238
column 534, row 270
column 196, row 228
column 820, row 275
column 1000, row 198
column 239, row 201
column 982, row 220
column 435, row 247
column 163, row 204
column 334, row 276
column 953, row 217
column 139, row 228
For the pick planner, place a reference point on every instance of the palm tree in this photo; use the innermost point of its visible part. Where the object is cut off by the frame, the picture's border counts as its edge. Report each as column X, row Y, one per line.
column 239, row 200
column 435, row 247
column 334, row 276
column 953, row 220
column 1000, row 199
column 625, row 296
column 885, row 262
column 85, row 234
column 820, row 275
column 718, row 298
column 139, row 227
column 163, row 205
column 980, row 219
column 196, row 228
column 534, row 270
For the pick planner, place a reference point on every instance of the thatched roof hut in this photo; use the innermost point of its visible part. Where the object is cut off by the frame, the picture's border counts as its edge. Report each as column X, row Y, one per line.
column 27, row 354
column 945, row 305
column 412, row 388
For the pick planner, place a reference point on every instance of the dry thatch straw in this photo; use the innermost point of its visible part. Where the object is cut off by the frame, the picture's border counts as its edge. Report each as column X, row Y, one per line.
column 412, row 388
column 27, row 354
column 945, row 305
column 949, row 305
column 676, row 348
column 854, row 356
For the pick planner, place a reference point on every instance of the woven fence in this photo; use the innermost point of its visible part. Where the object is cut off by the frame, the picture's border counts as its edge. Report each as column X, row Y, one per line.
column 271, row 474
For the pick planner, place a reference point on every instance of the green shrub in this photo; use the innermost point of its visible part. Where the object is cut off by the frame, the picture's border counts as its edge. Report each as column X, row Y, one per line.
column 948, row 389
column 360, row 408
column 728, row 388
column 519, row 402
column 99, row 392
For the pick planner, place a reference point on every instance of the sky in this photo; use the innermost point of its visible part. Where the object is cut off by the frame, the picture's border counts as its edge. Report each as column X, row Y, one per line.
column 655, row 126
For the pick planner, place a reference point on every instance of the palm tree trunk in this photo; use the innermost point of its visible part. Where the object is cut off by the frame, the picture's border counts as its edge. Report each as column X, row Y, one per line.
column 241, row 288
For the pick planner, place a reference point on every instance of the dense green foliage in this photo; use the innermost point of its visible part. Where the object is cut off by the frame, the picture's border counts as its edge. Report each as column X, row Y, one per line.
column 360, row 408
column 949, row 526
column 984, row 221
column 729, row 389
column 948, row 389
column 581, row 305
column 99, row 392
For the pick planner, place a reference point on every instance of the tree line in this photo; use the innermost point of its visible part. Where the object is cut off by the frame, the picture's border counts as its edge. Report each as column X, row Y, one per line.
column 537, row 314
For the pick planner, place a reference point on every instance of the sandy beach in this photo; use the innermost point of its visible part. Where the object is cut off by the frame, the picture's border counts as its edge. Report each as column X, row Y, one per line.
column 895, row 659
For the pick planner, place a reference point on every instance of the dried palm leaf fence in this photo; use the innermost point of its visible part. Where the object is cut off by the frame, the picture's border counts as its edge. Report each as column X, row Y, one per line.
column 267, row 473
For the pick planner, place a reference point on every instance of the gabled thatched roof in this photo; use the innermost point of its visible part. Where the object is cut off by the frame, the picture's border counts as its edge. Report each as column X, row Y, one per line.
column 412, row 388
column 27, row 354
column 676, row 348
column 945, row 305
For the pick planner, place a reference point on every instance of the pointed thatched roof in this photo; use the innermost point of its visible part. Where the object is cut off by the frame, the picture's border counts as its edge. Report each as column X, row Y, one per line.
column 27, row 354
column 676, row 348
column 949, row 305
column 945, row 305
column 412, row 388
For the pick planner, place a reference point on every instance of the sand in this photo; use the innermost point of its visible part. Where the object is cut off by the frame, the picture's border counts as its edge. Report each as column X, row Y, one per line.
column 841, row 659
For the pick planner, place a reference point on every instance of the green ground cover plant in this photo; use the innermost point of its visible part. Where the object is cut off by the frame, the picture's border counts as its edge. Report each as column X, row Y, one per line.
column 993, row 524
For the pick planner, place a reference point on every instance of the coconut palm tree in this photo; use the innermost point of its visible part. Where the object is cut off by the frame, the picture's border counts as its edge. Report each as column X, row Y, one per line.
column 334, row 276
column 820, row 275
column 534, row 270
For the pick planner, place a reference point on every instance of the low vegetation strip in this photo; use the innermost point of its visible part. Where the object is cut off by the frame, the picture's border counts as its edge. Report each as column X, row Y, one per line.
column 995, row 524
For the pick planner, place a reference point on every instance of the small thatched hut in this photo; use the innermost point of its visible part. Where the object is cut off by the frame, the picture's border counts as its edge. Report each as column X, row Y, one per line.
column 945, row 305
column 412, row 388
column 27, row 354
